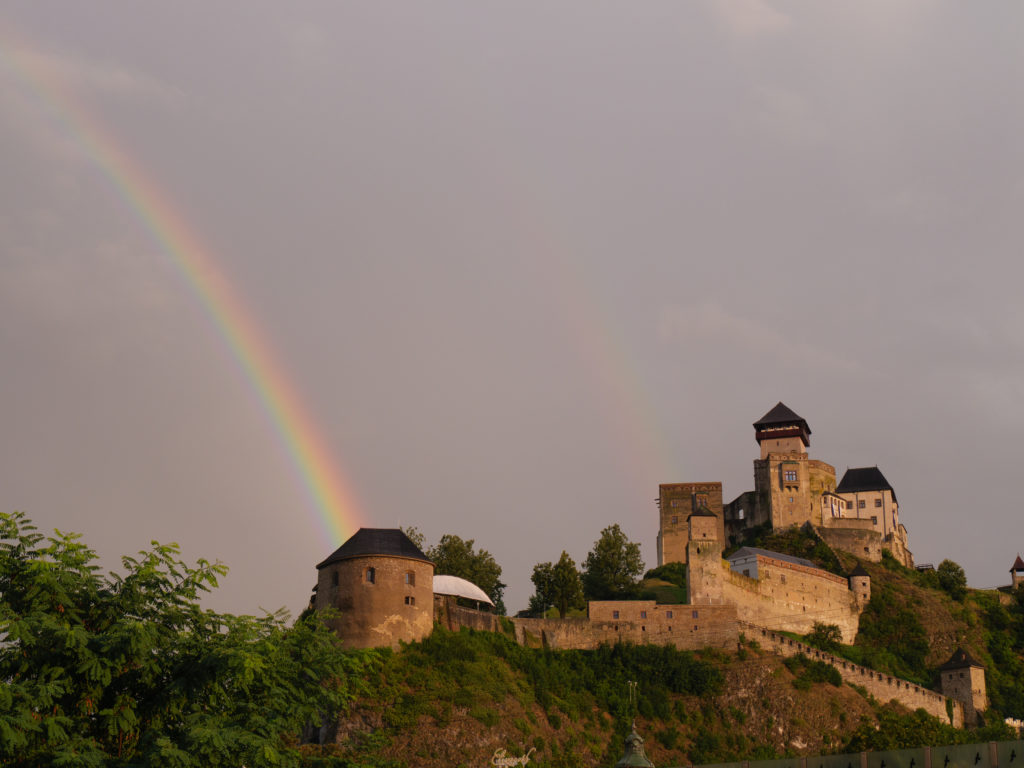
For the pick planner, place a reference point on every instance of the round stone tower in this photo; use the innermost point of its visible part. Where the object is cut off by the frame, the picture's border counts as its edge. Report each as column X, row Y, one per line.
column 860, row 585
column 382, row 586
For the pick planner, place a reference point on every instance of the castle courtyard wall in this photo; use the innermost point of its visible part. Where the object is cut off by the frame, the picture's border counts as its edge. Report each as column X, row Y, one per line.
column 686, row 627
column 791, row 597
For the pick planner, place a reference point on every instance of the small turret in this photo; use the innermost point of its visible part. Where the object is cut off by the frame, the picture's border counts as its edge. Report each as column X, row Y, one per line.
column 634, row 756
column 1017, row 573
column 860, row 585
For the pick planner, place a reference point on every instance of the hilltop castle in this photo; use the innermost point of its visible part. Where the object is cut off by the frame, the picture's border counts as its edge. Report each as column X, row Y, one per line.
column 859, row 515
column 386, row 593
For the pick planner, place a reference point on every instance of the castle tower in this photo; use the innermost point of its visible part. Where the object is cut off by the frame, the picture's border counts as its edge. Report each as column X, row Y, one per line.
column 1017, row 573
column 860, row 585
column 676, row 502
column 383, row 587
column 962, row 678
column 786, row 480
column 704, row 581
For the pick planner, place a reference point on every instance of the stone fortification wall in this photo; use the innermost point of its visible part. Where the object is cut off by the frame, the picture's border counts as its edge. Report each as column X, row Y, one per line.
column 883, row 687
column 687, row 627
column 791, row 597
column 858, row 537
column 448, row 613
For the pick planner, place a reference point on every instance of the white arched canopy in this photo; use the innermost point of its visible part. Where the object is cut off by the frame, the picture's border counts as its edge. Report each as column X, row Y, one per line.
column 453, row 585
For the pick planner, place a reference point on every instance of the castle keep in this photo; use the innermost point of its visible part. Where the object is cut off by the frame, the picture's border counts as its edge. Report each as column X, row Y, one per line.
column 859, row 514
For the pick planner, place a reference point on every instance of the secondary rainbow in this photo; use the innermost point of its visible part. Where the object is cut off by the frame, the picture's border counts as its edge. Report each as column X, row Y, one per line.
column 331, row 496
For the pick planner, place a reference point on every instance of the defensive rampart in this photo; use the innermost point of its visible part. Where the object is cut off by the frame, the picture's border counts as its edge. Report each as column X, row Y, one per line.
column 791, row 597
column 857, row 537
column 687, row 627
column 883, row 687
column 454, row 617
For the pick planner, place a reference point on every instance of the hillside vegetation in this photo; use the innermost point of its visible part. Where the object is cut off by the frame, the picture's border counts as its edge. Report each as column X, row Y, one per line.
column 454, row 699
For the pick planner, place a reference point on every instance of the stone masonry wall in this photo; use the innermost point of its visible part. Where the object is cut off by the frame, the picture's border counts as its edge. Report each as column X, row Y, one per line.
column 792, row 597
column 857, row 537
column 448, row 613
column 687, row 627
column 883, row 687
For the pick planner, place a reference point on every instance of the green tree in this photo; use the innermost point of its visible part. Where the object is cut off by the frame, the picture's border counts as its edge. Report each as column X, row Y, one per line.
column 558, row 585
column 116, row 669
column 825, row 636
column 612, row 567
column 952, row 579
column 454, row 556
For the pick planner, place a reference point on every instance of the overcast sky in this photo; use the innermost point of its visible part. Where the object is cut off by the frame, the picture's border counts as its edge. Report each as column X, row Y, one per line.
column 522, row 262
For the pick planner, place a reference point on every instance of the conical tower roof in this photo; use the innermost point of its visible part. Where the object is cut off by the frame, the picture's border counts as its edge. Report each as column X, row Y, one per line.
column 1018, row 565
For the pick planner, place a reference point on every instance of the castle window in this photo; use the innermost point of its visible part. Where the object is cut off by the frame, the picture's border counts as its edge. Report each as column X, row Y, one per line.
column 668, row 615
column 675, row 519
column 860, row 504
column 334, row 579
column 878, row 502
column 410, row 600
column 643, row 628
column 849, row 505
column 615, row 614
column 874, row 520
column 790, row 475
column 702, row 500
column 643, row 614
column 410, row 578
column 371, row 575
column 695, row 614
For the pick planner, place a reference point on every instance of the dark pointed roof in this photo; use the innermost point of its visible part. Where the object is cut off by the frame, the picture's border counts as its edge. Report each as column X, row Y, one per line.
column 780, row 414
column 961, row 659
column 859, row 571
column 775, row 423
column 1018, row 565
column 864, row 479
column 367, row 542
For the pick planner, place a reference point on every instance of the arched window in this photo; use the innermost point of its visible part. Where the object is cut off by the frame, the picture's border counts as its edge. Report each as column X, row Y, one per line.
column 371, row 575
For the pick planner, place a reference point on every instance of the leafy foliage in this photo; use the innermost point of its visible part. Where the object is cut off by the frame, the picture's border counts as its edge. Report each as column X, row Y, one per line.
column 825, row 636
column 471, row 674
column 558, row 585
column 612, row 567
column 454, row 556
column 952, row 579
column 892, row 637
column 117, row 669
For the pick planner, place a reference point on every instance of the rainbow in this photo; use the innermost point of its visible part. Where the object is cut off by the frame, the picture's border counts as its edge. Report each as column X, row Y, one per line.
column 331, row 497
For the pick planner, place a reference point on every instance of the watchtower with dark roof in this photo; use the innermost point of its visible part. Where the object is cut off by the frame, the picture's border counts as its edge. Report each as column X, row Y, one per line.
column 382, row 586
column 788, row 484
column 963, row 678
column 782, row 431
column 1017, row 572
